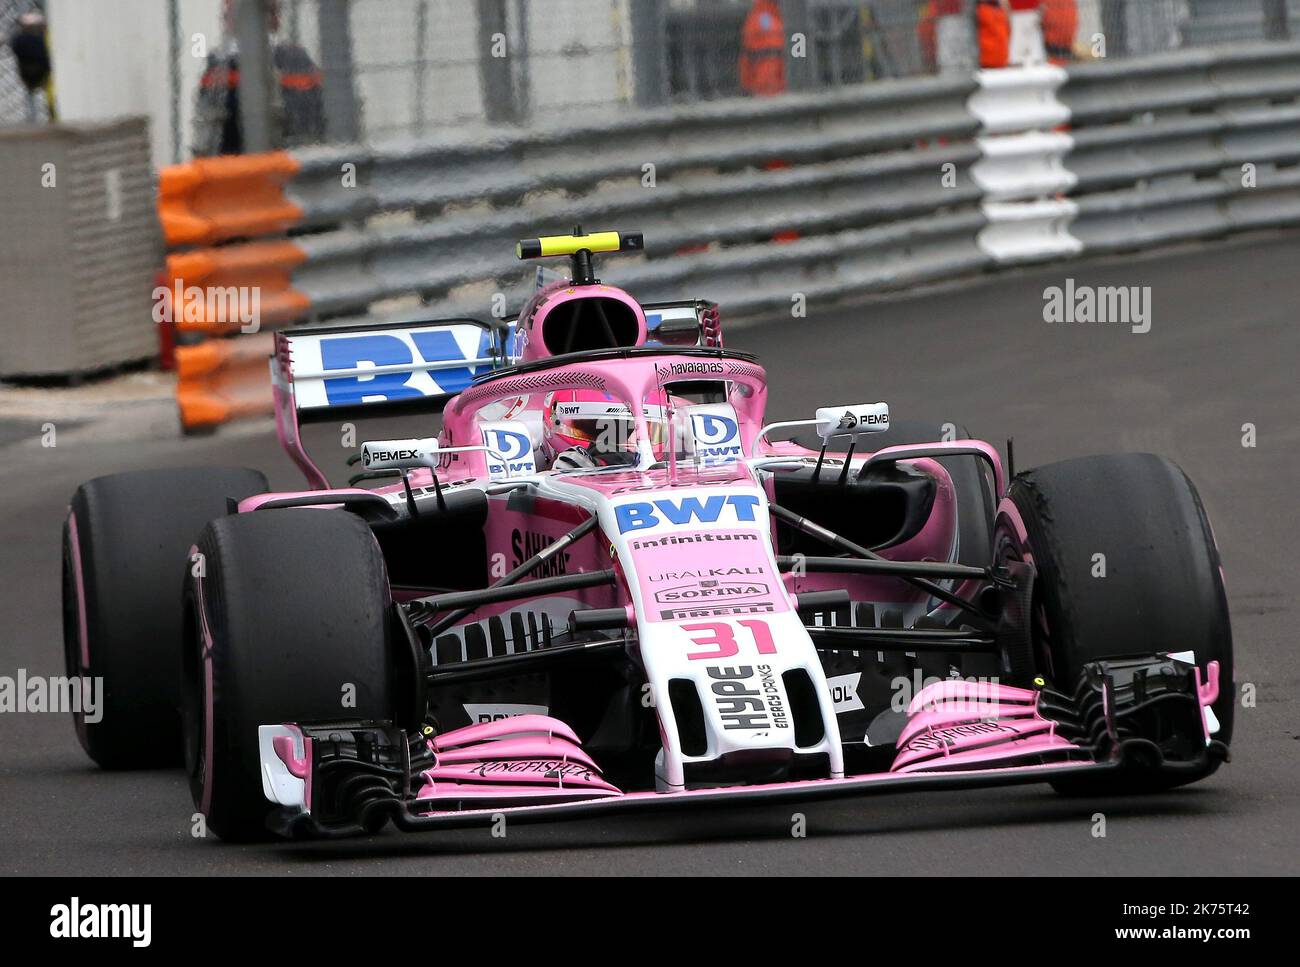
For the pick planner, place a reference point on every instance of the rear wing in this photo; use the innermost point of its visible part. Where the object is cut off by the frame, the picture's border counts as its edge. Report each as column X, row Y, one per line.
column 415, row 365
column 333, row 373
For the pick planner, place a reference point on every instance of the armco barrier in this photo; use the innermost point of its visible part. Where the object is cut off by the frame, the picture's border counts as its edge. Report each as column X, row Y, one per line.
column 582, row 155
column 862, row 192
column 686, row 177
column 883, row 185
column 1186, row 145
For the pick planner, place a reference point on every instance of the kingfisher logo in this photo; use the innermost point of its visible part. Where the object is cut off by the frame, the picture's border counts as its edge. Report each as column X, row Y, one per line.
column 644, row 515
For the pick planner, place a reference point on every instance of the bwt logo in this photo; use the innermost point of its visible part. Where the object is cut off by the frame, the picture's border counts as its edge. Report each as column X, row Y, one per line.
column 716, row 437
column 687, row 510
column 712, row 430
column 515, row 448
column 508, row 443
column 386, row 349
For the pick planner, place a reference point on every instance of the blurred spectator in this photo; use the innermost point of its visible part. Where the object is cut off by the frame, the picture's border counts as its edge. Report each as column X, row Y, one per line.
column 1060, row 24
column 33, row 57
column 993, row 31
column 927, row 28
column 1059, row 19
column 298, row 111
column 762, row 50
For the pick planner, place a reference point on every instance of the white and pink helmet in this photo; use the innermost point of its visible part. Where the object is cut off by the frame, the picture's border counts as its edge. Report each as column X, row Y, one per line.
column 602, row 424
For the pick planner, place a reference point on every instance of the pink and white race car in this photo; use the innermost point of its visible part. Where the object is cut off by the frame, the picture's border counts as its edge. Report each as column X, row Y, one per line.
column 610, row 583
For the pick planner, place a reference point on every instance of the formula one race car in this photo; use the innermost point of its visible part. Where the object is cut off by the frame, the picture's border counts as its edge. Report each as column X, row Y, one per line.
column 608, row 583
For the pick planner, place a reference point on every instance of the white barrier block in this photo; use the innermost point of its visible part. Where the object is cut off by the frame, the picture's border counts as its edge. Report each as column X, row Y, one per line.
column 1022, row 166
column 1029, row 231
column 1011, row 100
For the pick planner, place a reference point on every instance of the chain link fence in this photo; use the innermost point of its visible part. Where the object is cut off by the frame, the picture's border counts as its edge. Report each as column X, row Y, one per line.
column 17, row 106
column 418, row 68
column 284, row 73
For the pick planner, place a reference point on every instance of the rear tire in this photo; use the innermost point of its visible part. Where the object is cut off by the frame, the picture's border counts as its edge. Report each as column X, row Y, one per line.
column 1162, row 589
column 291, row 616
column 124, row 541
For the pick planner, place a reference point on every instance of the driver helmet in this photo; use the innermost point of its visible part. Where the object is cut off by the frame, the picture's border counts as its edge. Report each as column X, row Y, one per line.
column 602, row 425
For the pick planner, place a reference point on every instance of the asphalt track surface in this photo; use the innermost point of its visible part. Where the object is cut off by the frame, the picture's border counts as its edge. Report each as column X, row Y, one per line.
column 1223, row 350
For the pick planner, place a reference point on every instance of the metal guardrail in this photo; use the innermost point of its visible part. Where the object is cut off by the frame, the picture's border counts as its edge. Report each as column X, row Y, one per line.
column 1185, row 79
column 804, row 169
column 503, row 167
column 1161, row 145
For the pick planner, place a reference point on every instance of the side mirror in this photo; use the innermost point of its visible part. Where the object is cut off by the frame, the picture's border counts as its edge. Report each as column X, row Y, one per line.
column 852, row 419
column 400, row 454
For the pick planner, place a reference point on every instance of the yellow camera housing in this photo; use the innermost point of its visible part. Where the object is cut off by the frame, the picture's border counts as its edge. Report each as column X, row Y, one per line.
column 549, row 245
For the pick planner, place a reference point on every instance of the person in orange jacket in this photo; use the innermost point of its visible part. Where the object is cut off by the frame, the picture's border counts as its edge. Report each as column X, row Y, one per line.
column 1060, row 24
column 993, row 32
column 762, row 50
column 1059, row 18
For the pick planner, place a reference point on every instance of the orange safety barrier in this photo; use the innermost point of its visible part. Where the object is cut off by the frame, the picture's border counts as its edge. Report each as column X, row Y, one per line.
column 216, row 199
column 225, row 290
column 223, row 379
column 240, row 288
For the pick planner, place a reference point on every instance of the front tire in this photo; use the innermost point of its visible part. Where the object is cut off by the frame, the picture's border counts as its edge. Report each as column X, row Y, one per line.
column 1126, row 567
column 289, row 622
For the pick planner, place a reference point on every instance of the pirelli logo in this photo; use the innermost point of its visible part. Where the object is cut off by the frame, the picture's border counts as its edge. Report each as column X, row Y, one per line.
column 710, row 611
